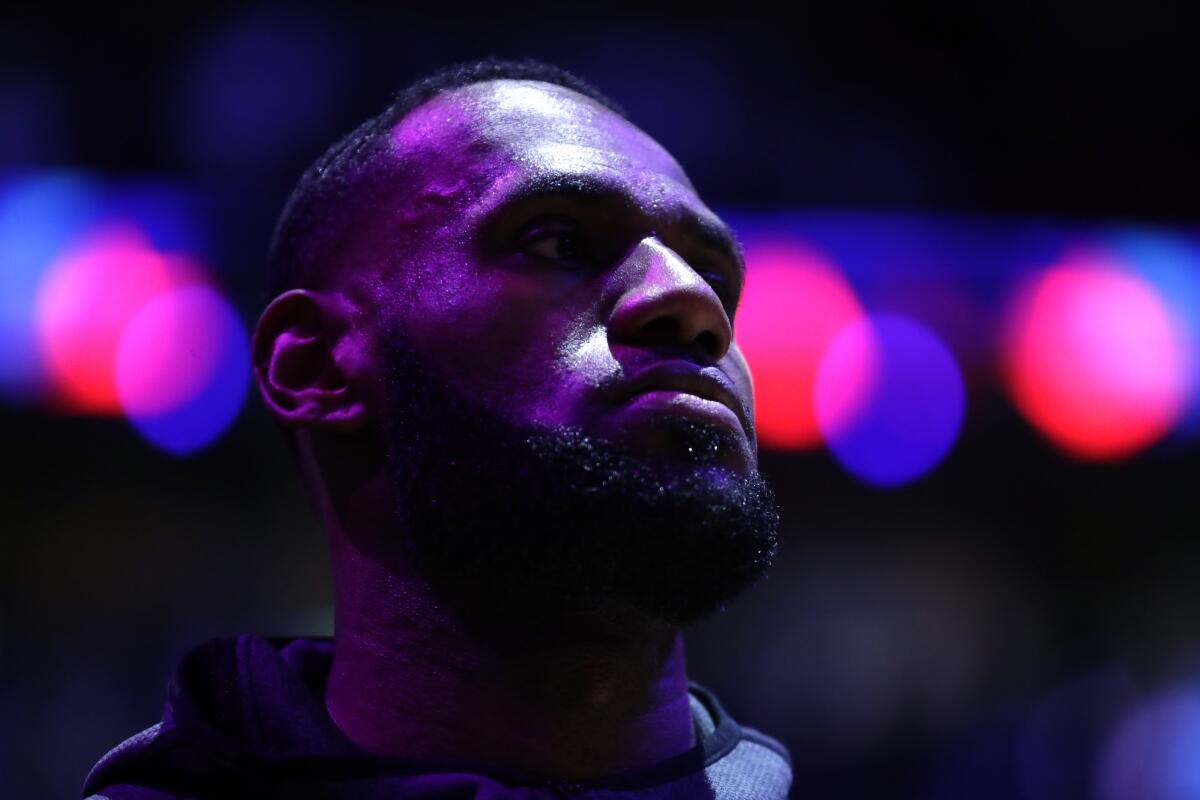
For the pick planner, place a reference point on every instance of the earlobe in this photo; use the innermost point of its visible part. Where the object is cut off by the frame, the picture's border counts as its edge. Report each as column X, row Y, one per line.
column 300, row 376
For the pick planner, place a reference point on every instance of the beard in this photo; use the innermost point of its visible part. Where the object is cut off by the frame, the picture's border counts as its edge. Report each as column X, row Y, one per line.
column 537, row 529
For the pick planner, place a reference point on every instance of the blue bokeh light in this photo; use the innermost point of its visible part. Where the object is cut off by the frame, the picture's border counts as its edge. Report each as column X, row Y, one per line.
column 1059, row 738
column 1172, row 265
column 40, row 215
column 911, row 404
column 1154, row 753
column 168, row 216
column 183, row 369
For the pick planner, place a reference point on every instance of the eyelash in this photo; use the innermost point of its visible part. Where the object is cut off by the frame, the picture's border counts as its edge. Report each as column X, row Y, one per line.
column 553, row 234
column 716, row 281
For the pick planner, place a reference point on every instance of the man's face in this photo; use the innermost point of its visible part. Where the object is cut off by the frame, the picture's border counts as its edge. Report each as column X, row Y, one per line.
column 554, row 304
column 573, row 277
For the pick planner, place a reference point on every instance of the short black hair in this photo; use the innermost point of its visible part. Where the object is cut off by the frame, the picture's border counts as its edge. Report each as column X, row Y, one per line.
column 338, row 184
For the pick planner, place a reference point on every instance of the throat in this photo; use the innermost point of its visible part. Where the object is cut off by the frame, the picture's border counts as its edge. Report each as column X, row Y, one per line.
column 413, row 682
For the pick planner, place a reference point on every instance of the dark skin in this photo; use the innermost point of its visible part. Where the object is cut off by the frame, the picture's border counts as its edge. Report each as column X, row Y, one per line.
column 552, row 250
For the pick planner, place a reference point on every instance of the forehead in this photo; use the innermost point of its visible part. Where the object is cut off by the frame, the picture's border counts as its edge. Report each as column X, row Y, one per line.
column 485, row 138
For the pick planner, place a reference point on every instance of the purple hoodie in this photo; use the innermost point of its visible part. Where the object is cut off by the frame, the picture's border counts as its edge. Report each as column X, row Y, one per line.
column 245, row 717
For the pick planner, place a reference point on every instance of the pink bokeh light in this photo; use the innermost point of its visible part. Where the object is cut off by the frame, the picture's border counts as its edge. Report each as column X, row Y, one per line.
column 168, row 352
column 794, row 304
column 84, row 301
column 182, row 368
column 1094, row 359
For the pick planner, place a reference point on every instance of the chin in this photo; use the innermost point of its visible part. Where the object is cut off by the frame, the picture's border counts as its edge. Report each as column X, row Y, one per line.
column 682, row 443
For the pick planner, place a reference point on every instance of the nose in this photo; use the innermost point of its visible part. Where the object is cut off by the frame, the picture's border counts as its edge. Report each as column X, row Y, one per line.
column 665, row 303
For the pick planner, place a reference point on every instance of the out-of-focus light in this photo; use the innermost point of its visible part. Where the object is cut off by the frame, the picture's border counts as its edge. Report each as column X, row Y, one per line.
column 1059, row 740
column 170, row 220
column 182, row 367
column 1094, row 358
column 84, row 302
column 39, row 216
column 48, row 219
column 889, row 399
column 706, row 118
column 979, row 764
column 1172, row 265
column 1154, row 753
column 259, row 90
column 794, row 303
column 32, row 127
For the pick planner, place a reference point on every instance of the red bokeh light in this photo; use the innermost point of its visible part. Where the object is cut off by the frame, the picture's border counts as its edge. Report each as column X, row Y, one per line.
column 1094, row 359
column 84, row 303
column 795, row 302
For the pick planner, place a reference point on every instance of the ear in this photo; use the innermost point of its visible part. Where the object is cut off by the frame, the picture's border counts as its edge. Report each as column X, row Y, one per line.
column 304, row 356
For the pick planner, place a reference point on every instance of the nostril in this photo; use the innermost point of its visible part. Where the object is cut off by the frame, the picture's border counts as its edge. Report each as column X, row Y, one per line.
column 668, row 331
column 710, row 343
column 661, row 330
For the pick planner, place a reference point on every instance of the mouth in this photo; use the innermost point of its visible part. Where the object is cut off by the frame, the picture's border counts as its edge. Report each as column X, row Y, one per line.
column 682, row 386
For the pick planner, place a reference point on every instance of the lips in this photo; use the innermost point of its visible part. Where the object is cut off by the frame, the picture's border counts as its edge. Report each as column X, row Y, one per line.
column 709, row 383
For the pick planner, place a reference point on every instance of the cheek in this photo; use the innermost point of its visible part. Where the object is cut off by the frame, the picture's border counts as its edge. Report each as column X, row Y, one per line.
column 586, row 356
column 501, row 338
column 443, row 287
column 739, row 372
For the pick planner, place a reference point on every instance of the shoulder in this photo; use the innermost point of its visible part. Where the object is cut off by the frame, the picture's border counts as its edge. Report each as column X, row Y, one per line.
column 133, row 793
column 740, row 761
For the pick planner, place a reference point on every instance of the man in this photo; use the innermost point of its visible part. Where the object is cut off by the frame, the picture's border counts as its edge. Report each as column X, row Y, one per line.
column 501, row 345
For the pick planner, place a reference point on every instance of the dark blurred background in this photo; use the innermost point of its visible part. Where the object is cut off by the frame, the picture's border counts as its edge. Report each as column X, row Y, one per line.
column 986, row 585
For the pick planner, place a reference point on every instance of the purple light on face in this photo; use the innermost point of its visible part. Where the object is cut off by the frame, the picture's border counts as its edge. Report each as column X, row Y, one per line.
column 1154, row 753
column 889, row 399
column 182, row 368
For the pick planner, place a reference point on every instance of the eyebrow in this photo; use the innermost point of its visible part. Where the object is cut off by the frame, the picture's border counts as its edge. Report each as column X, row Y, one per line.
column 708, row 231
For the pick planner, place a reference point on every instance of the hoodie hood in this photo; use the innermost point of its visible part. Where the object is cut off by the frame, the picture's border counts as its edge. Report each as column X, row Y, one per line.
column 246, row 717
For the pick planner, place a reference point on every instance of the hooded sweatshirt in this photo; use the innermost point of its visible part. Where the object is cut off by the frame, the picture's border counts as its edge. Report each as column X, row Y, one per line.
column 245, row 717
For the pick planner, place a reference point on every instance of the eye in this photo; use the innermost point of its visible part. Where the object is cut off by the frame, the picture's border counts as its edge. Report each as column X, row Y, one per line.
column 560, row 244
column 717, row 282
column 722, row 289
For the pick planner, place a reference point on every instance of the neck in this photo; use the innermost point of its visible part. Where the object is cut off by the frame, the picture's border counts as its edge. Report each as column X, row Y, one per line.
column 409, row 680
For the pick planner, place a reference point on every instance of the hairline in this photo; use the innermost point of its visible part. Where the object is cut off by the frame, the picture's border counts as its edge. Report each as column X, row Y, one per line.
column 306, row 242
